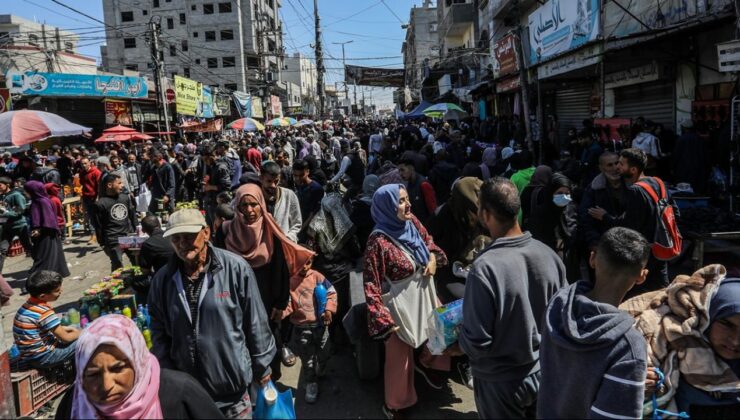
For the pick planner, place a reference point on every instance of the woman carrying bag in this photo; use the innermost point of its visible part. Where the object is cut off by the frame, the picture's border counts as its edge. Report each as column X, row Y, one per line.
column 400, row 262
column 48, row 253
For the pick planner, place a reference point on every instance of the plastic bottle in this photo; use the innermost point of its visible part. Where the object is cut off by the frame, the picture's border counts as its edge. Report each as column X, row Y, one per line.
column 74, row 316
column 147, row 333
column 319, row 294
column 93, row 311
column 84, row 309
column 84, row 321
column 147, row 316
column 126, row 312
column 65, row 320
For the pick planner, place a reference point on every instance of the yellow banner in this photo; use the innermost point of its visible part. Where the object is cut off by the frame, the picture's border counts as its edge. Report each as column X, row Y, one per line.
column 188, row 96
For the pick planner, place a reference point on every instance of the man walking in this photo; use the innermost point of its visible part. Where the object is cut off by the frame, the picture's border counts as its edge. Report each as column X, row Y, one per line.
column 281, row 202
column 90, row 181
column 116, row 217
column 163, row 182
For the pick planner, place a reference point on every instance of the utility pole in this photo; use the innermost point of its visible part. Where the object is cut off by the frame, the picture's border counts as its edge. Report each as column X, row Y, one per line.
column 344, row 66
column 319, row 59
column 155, row 29
column 523, row 79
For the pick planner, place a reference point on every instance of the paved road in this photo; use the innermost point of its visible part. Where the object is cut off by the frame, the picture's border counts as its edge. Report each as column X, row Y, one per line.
column 342, row 393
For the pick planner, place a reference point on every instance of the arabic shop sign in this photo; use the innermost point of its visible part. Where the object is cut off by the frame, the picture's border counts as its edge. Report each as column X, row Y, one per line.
column 584, row 57
column 560, row 26
column 656, row 14
column 63, row 84
column 636, row 75
column 188, row 96
column 506, row 55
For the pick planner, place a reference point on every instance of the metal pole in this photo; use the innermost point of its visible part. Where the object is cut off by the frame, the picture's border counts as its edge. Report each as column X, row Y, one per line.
column 159, row 73
column 319, row 59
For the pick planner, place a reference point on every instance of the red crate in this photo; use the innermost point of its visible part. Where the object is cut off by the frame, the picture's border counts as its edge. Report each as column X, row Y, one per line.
column 15, row 248
column 33, row 388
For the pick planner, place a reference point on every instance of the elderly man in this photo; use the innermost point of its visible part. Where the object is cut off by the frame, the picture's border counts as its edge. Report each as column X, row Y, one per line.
column 207, row 316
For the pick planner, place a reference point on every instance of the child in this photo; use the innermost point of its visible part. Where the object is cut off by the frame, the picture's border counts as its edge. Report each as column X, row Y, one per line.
column 593, row 361
column 310, row 333
column 52, row 190
column 39, row 335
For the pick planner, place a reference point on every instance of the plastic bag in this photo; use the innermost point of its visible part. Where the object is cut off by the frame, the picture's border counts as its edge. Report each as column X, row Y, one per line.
column 443, row 326
column 282, row 408
column 143, row 200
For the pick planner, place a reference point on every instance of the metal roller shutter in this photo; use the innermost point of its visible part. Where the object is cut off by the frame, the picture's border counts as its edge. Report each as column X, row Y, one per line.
column 653, row 101
column 572, row 107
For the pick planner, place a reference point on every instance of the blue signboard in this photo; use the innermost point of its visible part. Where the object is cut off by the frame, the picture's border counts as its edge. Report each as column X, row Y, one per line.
column 559, row 26
column 206, row 110
column 62, row 84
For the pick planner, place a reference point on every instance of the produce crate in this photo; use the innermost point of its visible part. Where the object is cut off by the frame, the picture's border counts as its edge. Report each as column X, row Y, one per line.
column 16, row 248
column 33, row 388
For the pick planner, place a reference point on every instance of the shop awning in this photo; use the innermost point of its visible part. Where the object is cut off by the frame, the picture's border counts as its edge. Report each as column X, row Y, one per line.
column 418, row 112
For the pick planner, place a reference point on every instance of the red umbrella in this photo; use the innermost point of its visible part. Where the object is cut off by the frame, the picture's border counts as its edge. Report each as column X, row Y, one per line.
column 25, row 126
column 119, row 129
column 122, row 137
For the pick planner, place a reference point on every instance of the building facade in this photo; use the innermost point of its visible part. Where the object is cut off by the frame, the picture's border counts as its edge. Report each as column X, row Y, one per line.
column 420, row 50
column 301, row 71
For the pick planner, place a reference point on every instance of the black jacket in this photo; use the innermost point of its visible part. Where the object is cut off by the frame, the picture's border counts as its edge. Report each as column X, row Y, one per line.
column 116, row 217
column 163, row 182
column 156, row 251
column 180, row 396
column 599, row 194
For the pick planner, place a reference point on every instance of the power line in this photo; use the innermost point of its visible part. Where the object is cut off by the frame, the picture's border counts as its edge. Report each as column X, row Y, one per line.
column 392, row 12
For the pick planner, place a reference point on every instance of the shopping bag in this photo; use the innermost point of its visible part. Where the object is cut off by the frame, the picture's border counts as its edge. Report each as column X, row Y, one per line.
column 281, row 408
column 443, row 326
column 142, row 201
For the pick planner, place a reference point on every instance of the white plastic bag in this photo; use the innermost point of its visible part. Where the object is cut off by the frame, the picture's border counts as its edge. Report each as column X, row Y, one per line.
column 143, row 200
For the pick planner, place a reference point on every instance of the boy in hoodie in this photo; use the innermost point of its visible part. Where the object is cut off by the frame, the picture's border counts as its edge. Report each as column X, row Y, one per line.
column 593, row 360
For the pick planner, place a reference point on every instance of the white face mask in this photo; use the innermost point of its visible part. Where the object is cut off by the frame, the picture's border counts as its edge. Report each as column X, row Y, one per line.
column 561, row 200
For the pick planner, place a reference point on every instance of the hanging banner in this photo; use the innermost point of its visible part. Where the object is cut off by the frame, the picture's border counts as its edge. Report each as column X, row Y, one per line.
column 63, row 84
column 505, row 56
column 206, row 109
column 221, row 104
column 258, row 111
column 276, row 107
column 370, row 76
column 243, row 103
column 211, row 126
column 188, row 96
column 5, row 100
column 559, row 26
column 117, row 112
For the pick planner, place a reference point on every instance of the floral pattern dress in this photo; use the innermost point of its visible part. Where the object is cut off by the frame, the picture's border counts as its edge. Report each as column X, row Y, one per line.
column 384, row 259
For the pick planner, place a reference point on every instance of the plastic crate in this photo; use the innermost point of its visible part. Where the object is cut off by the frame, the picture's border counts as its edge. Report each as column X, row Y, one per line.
column 33, row 388
column 16, row 248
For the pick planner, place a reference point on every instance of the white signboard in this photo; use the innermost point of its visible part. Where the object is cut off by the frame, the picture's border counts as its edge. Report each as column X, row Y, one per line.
column 636, row 75
column 585, row 57
column 562, row 25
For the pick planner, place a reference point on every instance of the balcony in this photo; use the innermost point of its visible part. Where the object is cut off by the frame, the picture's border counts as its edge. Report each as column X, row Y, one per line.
column 458, row 18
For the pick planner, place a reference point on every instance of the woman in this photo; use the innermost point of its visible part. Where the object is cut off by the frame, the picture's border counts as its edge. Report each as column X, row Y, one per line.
column 487, row 166
column 545, row 209
column 457, row 232
column 53, row 190
column 118, row 378
column 400, row 260
column 255, row 235
column 47, row 243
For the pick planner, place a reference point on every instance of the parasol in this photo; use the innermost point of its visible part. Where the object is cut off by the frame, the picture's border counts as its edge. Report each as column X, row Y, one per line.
column 25, row 126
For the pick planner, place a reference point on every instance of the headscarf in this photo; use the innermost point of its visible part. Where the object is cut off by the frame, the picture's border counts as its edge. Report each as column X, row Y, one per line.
column 255, row 242
column 384, row 211
column 487, row 161
column 370, row 184
column 463, row 199
column 143, row 400
column 42, row 210
column 542, row 177
column 724, row 304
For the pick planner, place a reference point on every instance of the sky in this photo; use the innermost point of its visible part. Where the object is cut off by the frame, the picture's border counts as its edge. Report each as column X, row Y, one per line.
column 374, row 26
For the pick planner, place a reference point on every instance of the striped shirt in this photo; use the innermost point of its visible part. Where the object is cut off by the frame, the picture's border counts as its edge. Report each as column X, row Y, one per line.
column 32, row 328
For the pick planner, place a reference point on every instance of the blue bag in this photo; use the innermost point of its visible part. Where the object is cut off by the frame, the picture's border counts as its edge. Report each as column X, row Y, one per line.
column 282, row 408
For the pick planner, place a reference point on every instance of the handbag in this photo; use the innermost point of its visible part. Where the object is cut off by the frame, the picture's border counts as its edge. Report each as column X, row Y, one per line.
column 143, row 200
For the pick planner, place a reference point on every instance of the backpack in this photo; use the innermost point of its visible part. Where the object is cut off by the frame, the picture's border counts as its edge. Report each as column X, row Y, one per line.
column 668, row 241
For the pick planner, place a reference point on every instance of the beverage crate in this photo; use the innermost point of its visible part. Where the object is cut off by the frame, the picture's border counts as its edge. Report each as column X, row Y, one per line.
column 15, row 248
column 33, row 388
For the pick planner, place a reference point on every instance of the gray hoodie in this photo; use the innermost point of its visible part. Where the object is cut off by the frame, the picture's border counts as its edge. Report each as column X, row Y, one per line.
column 593, row 362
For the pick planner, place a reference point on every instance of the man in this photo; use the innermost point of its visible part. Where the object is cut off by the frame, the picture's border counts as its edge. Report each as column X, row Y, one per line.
column 282, row 203
column 506, row 294
column 286, row 169
column 216, row 179
column 421, row 192
column 134, row 173
column 640, row 214
column 47, row 173
column 523, row 164
column 162, row 182
column 443, row 176
column 607, row 191
column 13, row 207
column 375, row 145
column 351, row 167
column 155, row 253
column 314, row 148
column 90, row 181
column 309, row 192
column 590, row 156
column 116, row 217
column 207, row 316
column 117, row 168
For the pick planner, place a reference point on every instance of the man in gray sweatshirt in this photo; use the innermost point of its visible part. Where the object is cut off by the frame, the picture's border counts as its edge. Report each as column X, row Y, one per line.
column 594, row 362
column 506, row 294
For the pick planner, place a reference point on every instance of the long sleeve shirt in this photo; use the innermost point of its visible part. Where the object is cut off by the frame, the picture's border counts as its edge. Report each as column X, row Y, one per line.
column 343, row 166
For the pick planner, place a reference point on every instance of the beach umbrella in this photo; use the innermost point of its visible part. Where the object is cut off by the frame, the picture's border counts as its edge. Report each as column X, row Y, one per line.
column 25, row 126
column 118, row 137
column 290, row 120
column 119, row 129
column 302, row 123
column 446, row 110
column 278, row 122
column 246, row 124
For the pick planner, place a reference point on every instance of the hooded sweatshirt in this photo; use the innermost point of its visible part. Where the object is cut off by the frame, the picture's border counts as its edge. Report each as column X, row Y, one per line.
column 593, row 361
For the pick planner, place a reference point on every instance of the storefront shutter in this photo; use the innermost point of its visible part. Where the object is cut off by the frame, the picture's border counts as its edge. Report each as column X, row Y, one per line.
column 654, row 101
column 572, row 107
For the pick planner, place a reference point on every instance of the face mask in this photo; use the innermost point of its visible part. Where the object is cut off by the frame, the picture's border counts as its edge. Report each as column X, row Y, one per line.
column 561, row 200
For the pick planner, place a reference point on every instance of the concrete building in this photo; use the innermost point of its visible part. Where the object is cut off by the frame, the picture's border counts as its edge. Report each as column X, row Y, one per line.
column 301, row 71
column 420, row 50
column 26, row 45
column 235, row 45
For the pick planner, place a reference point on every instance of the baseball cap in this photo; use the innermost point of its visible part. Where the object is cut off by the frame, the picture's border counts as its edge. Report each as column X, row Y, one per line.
column 185, row 221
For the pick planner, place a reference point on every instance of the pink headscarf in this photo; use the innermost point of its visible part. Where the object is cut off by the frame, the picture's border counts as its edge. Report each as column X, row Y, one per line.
column 143, row 401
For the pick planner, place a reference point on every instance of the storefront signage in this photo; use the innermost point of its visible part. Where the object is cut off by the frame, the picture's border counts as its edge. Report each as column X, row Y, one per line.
column 117, row 112
column 211, row 126
column 655, row 14
column 206, row 110
column 636, row 75
column 506, row 55
column 586, row 57
column 276, row 107
column 370, row 76
column 188, row 96
column 221, row 104
column 62, row 84
column 562, row 25
column 509, row 84
column 4, row 100
column 258, row 111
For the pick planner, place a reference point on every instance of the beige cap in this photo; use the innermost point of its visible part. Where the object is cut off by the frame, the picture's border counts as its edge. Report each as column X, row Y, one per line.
column 185, row 221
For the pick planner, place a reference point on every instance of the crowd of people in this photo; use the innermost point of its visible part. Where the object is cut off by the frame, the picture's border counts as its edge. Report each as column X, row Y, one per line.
column 253, row 236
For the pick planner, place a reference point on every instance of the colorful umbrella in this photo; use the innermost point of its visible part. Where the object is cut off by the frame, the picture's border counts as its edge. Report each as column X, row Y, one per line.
column 278, row 122
column 26, row 126
column 122, row 137
column 246, row 124
column 301, row 123
column 445, row 110
column 290, row 120
column 119, row 129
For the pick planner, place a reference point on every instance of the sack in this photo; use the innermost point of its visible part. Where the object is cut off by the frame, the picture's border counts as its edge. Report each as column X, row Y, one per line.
column 143, row 200
column 668, row 241
column 282, row 408
column 444, row 326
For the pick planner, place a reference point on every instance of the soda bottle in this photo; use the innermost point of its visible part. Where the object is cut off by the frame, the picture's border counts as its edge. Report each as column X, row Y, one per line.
column 74, row 317
column 93, row 311
column 147, row 333
column 126, row 312
column 320, row 295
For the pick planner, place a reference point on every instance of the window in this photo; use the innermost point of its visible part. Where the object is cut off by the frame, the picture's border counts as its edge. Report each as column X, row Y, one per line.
column 129, row 42
column 173, row 51
column 253, row 62
column 271, row 45
column 213, row 63
column 182, row 18
column 127, row 16
column 230, row 86
column 170, row 23
column 270, row 4
column 228, row 62
column 210, row 36
column 432, row 27
column 155, row 3
column 186, row 71
column 224, row 7
column 194, row 7
column 208, row 9
column 144, row 12
column 184, row 45
column 197, row 61
column 195, row 34
column 33, row 40
column 227, row 34
column 132, row 67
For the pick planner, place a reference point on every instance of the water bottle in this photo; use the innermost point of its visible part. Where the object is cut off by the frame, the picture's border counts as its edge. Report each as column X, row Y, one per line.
column 74, row 317
column 94, row 311
column 320, row 295
column 147, row 316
